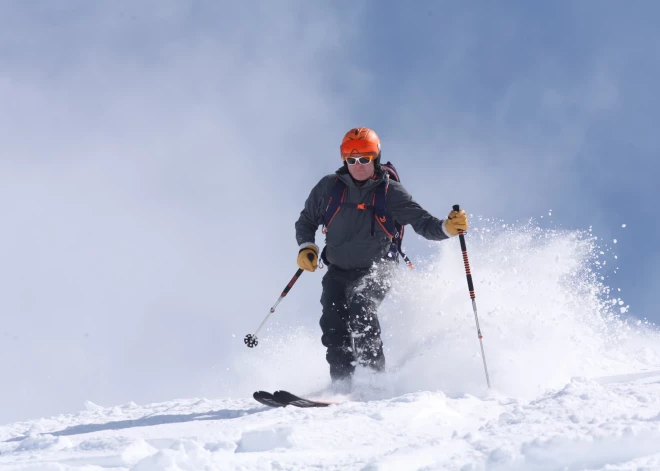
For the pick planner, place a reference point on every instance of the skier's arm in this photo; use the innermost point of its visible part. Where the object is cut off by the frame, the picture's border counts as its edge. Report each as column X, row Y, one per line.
column 311, row 217
column 405, row 210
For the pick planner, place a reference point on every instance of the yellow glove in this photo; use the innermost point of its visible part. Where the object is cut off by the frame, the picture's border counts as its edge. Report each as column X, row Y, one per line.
column 455, row 221
column 304, row 261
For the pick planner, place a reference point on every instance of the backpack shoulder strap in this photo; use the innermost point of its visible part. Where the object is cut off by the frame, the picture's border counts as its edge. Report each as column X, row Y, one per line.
column 394, row 229
column 381, row 214
column 389, row 168
column 337, row 196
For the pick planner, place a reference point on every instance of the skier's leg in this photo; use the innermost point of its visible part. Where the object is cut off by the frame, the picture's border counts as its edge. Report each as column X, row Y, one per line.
column 336, row 336
column 364, row 299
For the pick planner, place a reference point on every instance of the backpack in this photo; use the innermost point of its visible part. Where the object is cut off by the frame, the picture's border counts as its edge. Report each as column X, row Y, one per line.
column 378, row 206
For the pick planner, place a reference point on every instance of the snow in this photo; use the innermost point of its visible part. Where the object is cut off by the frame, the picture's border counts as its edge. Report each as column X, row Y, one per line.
column 587, row 424
column 576, row 386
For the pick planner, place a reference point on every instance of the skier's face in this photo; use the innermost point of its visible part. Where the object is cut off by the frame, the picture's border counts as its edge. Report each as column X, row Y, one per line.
column 362, row 172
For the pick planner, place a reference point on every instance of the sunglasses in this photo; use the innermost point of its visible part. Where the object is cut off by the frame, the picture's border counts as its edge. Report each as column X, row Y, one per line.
column 363, row 159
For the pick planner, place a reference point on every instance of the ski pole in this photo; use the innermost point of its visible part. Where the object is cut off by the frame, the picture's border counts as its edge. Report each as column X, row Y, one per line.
column 468, row 274
column 251, row 339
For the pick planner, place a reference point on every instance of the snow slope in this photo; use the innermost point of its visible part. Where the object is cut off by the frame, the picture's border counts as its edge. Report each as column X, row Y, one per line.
column 575, row 385
column 584, row 425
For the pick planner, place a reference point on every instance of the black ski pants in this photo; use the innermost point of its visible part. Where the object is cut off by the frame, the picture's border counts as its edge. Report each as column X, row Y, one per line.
column 351, row 331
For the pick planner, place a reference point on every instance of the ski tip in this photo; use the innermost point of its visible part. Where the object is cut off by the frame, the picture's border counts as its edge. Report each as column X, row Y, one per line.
column 267, row 399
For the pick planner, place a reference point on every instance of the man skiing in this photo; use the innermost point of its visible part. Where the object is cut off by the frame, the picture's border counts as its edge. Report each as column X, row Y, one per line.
column 360, row 252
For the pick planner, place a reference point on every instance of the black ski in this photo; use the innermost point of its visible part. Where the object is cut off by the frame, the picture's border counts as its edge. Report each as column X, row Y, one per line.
column 285, row 398
column 267, row 399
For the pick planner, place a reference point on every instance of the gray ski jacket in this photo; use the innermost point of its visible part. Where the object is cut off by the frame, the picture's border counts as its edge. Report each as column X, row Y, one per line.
column 349, row 243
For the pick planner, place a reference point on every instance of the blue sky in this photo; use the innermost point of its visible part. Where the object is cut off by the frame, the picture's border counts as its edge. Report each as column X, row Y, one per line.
column 155, row 155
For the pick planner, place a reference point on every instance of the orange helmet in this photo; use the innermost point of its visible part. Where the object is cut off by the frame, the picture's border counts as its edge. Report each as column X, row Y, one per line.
column 360, row 141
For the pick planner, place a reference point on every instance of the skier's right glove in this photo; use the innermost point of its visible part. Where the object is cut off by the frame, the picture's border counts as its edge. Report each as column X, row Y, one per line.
column 304, row 261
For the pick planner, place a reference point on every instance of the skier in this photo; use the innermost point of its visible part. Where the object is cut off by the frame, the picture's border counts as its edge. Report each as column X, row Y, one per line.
column 359, row 251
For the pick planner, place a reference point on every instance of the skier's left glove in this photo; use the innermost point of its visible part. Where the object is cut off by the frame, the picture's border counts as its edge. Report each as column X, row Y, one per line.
column 457, row 220
column 304, row 261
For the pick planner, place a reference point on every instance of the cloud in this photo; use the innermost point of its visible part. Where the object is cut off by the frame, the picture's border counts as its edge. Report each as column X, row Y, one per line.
column 145, row 153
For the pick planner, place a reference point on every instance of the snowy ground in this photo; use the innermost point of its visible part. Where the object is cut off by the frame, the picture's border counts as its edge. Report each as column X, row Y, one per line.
column 611, row 424
column 575, row 385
